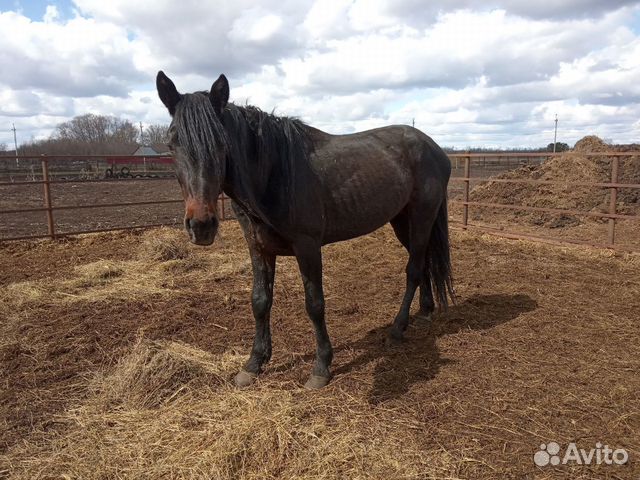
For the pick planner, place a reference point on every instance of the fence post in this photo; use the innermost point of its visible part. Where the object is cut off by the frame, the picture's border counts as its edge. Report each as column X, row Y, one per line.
column 47, row 196
column 613, row 200
column 465, row 196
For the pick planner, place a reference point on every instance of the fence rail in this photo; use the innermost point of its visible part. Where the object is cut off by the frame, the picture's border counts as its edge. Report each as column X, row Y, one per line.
column 469, row 163
column 49, row 207
column 612, row 215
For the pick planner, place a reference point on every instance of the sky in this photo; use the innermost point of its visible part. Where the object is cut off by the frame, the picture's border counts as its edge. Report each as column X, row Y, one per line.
column 494, row 75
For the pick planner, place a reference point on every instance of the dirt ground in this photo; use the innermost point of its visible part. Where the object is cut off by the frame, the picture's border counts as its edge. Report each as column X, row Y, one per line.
column 93, row 193
column 90, row 193
column 117, row 353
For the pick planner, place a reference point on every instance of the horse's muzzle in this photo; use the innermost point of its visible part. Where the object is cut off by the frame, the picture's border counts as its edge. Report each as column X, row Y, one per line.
column 201, row 232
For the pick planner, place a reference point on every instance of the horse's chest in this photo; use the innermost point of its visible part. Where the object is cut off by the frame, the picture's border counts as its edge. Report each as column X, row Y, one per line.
column 268, row 241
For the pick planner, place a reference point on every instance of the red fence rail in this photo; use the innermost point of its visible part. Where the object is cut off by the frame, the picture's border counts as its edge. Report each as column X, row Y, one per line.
column 470, row 162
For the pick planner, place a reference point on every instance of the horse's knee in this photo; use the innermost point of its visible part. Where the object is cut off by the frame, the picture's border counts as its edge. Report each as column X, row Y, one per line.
column 315, row 307
column 260, row 303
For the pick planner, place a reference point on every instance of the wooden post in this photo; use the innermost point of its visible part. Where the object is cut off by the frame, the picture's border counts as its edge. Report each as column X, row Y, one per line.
column 465, row 197
column 613, row 200
column 47, row 196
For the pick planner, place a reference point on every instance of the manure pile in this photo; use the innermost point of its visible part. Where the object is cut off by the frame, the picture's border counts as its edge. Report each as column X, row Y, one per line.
column 571, row 168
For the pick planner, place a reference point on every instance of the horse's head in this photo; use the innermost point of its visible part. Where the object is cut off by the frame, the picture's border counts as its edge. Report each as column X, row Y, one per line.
column 200, row 147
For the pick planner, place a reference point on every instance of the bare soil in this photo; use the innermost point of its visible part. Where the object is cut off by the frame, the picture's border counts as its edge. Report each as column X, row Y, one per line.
column 91, row 193
column 117, row 352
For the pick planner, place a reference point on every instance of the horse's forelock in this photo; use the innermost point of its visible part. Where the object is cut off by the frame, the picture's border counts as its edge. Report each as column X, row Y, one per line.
column 200, row 132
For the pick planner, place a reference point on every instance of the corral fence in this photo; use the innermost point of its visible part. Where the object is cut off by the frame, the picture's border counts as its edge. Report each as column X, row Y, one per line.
column 473, row 168
column 20, row 174
column 62, row 171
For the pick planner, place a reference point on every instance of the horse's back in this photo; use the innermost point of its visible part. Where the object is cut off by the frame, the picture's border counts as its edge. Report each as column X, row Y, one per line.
column 367, row 178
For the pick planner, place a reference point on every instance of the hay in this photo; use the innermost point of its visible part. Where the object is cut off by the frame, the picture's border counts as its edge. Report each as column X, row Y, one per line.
column 167, row 410
column 156, row 372
column 96, row 274
column 163, row 255
column 162, row 244
column 541, row 346
column 101, row 281
column 16, row 295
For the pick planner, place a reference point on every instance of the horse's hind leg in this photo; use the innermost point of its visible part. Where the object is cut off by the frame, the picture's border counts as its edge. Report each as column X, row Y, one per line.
column 418, row 224
column 400, row 225
column 309, row 259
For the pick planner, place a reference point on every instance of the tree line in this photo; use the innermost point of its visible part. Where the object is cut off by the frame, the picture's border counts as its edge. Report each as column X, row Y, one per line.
column 560, row 147
column 92, row 134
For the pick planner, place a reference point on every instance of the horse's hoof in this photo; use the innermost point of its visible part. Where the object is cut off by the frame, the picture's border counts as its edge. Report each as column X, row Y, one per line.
column 422, row 319
column 244, row 378
column 393, row 341
column 316, row 381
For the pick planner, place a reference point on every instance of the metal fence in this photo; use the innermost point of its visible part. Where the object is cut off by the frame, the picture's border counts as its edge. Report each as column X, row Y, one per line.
column 74, row 169
column 468, row 168
column 469, row 161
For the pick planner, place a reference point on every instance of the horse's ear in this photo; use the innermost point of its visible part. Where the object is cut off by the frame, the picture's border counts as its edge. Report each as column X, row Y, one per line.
column 219, row 94
column 168, row 92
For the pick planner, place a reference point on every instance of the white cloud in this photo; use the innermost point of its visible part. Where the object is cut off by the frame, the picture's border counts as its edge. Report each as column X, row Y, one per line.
column 78, row 57
column 494, row 74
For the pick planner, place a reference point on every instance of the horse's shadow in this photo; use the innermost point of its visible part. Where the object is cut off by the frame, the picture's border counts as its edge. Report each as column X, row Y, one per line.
column 418, row 359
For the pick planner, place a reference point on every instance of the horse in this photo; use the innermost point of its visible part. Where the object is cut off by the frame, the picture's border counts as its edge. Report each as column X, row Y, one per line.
column 295, row 188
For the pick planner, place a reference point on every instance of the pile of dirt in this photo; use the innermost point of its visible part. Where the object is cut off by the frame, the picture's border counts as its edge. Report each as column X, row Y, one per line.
column 570, row 170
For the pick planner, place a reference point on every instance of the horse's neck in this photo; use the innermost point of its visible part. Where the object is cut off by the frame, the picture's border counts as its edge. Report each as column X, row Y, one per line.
column 244, row 187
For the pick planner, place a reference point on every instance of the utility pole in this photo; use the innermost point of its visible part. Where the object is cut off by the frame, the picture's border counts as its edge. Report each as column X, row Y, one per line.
column 413, row 122
column 141, row 135
column 555, row 135
column 15, row 142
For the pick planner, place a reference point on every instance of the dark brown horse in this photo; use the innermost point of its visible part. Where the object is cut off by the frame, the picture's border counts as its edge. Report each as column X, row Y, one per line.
column 296, row 188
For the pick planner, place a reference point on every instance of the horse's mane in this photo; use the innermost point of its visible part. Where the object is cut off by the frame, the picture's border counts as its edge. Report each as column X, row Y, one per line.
column 280, row 143
column 266, row 152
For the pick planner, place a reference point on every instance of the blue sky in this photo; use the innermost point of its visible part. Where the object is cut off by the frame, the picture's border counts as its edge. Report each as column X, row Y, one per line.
column 470, row 75
column 35, row 9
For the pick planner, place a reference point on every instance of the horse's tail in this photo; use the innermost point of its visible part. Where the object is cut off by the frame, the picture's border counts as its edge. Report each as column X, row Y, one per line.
column 439, row 259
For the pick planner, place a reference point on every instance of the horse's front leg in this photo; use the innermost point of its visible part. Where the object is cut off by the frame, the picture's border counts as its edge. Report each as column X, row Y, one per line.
column 264, row 267
column 309, row 260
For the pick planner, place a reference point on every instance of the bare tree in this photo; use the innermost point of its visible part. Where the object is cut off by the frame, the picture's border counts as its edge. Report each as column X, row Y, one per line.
column 101, row 129
column 153, row 134
column 87, row 135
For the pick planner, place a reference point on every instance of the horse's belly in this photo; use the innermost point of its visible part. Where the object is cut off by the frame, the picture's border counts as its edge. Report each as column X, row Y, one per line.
column 363, row 199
